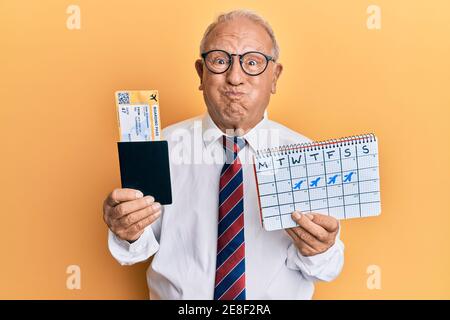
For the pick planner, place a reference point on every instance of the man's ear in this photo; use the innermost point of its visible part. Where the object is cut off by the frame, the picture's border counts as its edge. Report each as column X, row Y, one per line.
column 276, row 74
column 199, row 68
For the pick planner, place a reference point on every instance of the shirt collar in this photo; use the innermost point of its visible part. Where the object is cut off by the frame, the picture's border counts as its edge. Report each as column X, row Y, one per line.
column 211, row 132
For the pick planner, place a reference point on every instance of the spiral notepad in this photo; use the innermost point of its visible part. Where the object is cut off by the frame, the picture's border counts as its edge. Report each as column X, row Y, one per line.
column 338, row 177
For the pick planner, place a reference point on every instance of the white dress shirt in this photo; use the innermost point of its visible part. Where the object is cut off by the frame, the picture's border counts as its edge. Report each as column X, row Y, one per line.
column 184, row 239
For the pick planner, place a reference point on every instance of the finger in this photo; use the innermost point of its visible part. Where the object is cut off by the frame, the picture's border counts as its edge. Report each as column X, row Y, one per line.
column 327, row 222
column 305, row 222
column 128, row 207
column 132, row 218
column 292, row 234
column 305, row 249
column 308, row 238
column 120, row 195
column 142, row 224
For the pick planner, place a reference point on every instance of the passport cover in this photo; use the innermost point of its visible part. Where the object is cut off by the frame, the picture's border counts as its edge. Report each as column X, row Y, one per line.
column 144, row 165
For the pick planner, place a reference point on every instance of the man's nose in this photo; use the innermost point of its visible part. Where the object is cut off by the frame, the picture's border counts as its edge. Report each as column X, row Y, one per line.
column 235, row 75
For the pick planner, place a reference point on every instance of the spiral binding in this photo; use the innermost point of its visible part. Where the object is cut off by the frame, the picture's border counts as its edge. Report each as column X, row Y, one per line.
column 316, row 145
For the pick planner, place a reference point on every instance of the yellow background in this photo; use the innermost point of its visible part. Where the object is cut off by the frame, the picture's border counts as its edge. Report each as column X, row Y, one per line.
column 58, row 129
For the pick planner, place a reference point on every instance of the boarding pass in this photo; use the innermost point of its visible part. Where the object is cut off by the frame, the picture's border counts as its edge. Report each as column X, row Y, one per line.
column 138, row 115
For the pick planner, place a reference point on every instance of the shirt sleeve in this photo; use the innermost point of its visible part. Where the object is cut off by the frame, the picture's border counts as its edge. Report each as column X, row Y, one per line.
column 325, row 266
column 144, row 247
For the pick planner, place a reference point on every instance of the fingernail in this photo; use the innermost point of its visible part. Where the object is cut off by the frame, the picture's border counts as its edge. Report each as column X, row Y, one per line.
column 139, row 194
column 156, row 205
column 150, row 200
column 310, row 216
column 296, row 215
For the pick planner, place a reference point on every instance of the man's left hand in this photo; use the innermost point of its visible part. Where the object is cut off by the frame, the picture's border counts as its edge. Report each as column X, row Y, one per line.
column 315, row 234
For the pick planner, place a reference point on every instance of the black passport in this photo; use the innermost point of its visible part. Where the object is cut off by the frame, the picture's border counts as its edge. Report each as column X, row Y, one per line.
column 144, row 165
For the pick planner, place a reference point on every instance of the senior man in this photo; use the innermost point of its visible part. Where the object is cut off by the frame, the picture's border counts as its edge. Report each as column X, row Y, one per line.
column 209, row 244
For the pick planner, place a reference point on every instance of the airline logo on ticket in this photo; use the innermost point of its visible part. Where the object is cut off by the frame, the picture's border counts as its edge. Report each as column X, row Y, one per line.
column 138, row 115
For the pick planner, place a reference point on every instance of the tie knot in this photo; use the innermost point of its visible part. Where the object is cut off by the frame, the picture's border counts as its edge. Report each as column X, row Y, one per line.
column 233, row 144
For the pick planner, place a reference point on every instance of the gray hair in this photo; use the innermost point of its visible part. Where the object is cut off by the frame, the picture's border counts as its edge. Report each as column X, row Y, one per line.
column 251, row 15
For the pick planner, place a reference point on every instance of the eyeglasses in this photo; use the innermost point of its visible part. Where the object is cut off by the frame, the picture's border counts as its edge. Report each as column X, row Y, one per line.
column 252, row 63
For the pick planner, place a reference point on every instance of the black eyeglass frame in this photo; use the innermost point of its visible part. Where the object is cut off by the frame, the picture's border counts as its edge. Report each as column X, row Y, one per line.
column 230, row 56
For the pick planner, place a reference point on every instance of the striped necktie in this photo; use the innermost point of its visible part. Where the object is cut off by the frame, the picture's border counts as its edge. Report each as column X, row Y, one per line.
column 230, row 262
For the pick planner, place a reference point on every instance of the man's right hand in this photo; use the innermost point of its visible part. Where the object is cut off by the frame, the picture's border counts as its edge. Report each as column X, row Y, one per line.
column 127, row 212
